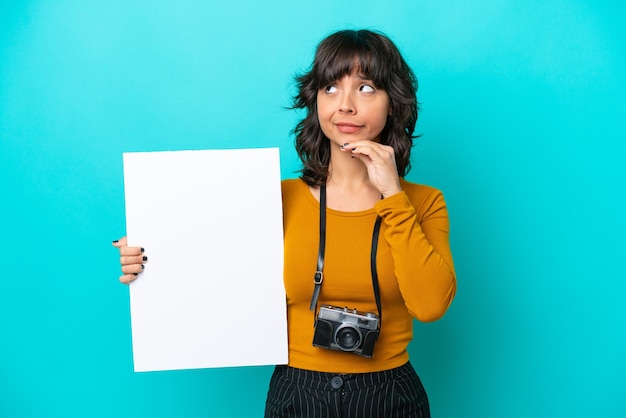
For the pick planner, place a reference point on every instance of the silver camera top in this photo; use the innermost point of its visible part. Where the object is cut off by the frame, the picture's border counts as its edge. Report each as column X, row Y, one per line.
column 366, row 320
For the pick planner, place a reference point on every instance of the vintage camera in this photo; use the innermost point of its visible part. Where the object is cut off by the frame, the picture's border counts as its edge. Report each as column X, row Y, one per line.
column 346, row 330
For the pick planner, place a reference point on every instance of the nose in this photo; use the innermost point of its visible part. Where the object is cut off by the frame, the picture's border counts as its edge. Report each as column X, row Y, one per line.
column 346, row 105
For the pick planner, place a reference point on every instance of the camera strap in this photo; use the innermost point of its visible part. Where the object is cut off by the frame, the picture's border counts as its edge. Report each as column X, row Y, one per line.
column 319, row 273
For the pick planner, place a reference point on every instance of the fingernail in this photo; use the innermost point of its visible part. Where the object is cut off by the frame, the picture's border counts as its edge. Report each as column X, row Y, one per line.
column 143, row 267
column 142, row 249
column 353, row 148
column 116, row 241
column 145, row 258
column 136, row 274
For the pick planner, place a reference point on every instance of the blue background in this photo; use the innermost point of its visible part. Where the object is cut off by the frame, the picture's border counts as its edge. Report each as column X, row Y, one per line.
column 523, row 123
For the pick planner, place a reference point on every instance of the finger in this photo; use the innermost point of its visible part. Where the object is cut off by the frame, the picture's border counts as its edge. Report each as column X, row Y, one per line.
column 131, row 250
column 367, row 155
column 364, row 143
column 118, row 243
column 125, row 249
column 127, row 278
column 364, row 148
column 133, row 268
column 375, row 151
column 135, row 259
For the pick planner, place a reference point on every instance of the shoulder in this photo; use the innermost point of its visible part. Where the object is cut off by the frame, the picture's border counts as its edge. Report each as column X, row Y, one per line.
column 296, row 197
column 289, row 186
column 419, row 191
column 293, row 190
column 423, row 198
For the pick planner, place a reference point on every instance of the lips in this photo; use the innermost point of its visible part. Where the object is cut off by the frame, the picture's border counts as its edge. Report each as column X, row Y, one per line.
column 347, row 127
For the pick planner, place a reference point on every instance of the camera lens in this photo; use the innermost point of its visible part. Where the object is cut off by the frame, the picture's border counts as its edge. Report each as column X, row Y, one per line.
column 348, row 338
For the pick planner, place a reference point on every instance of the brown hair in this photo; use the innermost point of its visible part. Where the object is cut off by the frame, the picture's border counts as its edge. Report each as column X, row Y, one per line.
column 374, row 56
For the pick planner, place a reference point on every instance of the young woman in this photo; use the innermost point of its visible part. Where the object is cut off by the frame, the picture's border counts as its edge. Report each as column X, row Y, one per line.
column 365, row 250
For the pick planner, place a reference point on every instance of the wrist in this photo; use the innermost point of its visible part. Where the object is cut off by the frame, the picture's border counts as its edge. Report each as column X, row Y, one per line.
column 391, row 191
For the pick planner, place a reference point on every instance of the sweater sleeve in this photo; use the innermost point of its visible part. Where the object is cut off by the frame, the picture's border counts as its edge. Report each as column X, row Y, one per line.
column 419, row 241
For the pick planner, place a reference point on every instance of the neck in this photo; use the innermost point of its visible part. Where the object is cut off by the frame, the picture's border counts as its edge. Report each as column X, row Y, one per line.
column 348, row 187
column 345, row 171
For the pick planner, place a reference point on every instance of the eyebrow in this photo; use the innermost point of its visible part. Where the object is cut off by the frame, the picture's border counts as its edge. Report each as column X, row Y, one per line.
column 360, row 76
column 363, row 77
column 367, row 79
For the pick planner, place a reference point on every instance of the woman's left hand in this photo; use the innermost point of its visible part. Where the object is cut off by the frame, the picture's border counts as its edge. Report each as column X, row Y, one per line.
column 380, row 161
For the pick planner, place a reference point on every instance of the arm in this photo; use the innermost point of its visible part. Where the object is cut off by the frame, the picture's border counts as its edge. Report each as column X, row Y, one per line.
column 421, row 252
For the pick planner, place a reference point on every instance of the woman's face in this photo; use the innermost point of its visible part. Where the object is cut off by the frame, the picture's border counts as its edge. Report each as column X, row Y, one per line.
column 352, row 109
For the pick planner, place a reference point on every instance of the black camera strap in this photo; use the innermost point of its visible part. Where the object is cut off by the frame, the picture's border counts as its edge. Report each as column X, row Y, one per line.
column 319, row 273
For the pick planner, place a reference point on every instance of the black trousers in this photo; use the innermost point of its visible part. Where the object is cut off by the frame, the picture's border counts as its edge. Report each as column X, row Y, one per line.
column 392, row 393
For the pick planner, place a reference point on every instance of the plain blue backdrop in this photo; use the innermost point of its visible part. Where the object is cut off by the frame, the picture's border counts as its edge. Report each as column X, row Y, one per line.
column 524, row 129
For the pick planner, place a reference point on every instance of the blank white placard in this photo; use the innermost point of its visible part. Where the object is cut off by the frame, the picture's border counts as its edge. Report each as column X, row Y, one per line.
column 212, row 292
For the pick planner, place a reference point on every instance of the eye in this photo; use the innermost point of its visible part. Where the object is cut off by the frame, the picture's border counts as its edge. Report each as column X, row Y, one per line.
column 366, row 88
column 330, row 89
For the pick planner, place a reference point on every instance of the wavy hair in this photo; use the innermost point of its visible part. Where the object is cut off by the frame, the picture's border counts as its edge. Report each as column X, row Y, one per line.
column 374, row 56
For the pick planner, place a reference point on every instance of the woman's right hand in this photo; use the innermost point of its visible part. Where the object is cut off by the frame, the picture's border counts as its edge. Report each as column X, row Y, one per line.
column 132, row 260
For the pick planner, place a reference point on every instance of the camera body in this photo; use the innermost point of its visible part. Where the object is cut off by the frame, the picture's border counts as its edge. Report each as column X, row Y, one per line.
column 347, row 330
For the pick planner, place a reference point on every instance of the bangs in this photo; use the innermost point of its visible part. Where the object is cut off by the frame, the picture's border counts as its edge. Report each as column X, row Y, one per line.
column 347, row 53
